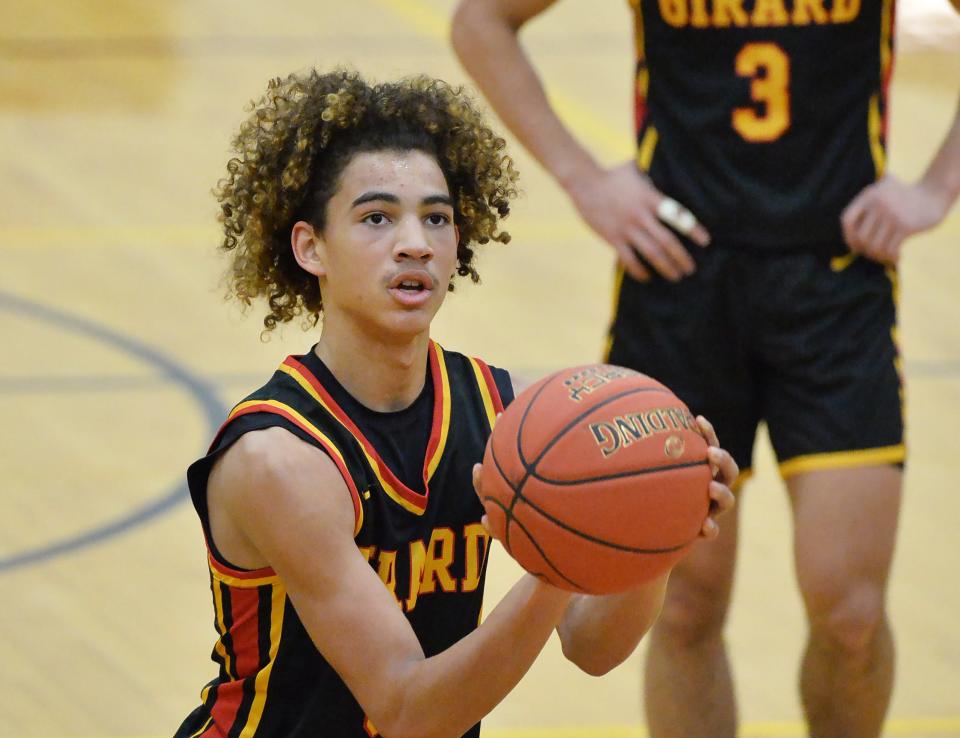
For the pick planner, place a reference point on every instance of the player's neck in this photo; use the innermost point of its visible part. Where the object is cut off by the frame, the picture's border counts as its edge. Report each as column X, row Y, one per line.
column 382, row 376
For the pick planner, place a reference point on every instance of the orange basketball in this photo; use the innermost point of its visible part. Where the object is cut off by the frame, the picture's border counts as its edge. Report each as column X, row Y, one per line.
column 596, row 479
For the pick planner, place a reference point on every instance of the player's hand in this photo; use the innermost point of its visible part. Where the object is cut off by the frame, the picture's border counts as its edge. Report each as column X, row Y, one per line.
column 725, row 473
column 878, row 220
column 477, row 487
column 629, row 213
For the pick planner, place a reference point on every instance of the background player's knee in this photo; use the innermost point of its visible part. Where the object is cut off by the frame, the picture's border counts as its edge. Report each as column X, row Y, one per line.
column 698, row 596
column 848, row 619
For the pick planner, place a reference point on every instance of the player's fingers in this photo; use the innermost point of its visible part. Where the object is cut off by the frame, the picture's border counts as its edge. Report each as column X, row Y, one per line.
column 851, row 214
column 671, row 245
column 476, row 480
column 722, row 498
column 863, row 229
column 655, row 256
column 682, row 220
column 631, row 263
column 710, row 529
column 707, row 430
column 851, row 217
column 880, row 246
column 881, row 228
column 485, row 522
column 727, row 470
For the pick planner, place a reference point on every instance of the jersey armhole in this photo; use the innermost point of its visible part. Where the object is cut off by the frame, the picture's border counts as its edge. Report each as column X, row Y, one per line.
column 243, row 421
column 504, row 385
column 492, row 391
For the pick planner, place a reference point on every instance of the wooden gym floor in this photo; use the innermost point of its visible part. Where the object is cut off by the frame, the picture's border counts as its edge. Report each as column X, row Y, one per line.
column 119, row 356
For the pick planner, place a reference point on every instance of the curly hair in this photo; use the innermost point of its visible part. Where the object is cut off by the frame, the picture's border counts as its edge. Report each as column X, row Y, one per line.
column 295, row 144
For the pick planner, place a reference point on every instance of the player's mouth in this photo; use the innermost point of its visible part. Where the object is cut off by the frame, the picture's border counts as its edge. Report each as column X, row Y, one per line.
column 412, row 288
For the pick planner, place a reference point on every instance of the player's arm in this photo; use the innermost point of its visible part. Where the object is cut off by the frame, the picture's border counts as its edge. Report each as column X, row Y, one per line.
column 620, row 204
column 878, row 220
column 278, row 501
column 599, row 632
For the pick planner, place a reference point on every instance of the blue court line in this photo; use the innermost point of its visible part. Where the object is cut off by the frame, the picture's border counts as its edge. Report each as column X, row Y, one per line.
column 200, row 389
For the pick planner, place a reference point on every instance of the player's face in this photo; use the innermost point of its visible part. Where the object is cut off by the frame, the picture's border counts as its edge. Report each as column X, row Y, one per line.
column 389, row 248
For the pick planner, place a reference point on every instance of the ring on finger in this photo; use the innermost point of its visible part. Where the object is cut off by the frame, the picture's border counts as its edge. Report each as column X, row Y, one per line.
column 675, row 215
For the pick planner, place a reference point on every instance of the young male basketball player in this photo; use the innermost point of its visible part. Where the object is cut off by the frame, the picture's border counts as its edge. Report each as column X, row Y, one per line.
column 767, row 119
column 346, row 547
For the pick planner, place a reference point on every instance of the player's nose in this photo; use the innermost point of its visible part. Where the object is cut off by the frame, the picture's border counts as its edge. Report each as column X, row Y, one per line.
column 412, row 241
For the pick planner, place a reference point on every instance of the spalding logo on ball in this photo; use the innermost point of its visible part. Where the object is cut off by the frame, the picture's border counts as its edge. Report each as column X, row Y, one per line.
column 596, row 479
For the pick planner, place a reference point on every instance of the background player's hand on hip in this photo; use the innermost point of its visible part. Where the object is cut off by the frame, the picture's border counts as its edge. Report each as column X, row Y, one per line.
column 630, row 214
column 878, row 220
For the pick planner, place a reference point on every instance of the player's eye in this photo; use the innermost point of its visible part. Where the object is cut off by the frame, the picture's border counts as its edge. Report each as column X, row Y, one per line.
column 438, row 219
column 375, row 219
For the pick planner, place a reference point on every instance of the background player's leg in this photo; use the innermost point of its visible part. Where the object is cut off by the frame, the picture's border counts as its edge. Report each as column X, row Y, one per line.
column 845, row 527
column 688, row 687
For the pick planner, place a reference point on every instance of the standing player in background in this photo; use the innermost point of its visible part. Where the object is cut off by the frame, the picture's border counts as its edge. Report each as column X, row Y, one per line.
column 761, row 128
column 345, row 543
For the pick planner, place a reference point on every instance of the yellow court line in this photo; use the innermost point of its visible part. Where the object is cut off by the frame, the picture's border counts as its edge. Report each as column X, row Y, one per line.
column 555, row 230
column 599, row 133
column 916, row 727
column 92, row 236
column 943, row 727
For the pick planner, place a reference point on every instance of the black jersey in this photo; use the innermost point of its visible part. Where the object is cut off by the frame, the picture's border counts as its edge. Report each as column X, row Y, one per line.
column 764, row 117
column 428, row 547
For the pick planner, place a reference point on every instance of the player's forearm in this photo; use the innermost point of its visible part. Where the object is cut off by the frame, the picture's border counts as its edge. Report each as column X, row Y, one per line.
column 600, row 632
column 448, row 693
column 489, row 48
column 943, row 175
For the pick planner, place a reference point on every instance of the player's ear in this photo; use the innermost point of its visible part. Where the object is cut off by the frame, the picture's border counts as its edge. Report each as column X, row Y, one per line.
column 307, row 247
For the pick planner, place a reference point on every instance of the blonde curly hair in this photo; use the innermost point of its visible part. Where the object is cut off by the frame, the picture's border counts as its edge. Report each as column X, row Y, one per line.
column 296, row 142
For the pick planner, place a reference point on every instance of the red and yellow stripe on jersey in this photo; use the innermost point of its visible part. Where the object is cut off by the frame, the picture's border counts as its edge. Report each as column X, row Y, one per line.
column 407, row 498
column 249, row 612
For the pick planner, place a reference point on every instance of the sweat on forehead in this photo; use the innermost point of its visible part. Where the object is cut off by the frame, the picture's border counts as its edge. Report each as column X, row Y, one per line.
column 395, row 169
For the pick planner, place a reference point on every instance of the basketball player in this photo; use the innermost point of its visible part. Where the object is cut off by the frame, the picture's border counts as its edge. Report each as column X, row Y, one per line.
column 767, row 120
column 346, row 546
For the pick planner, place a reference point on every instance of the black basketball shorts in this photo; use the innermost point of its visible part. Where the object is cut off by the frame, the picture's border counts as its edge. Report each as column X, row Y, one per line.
column 805, row 343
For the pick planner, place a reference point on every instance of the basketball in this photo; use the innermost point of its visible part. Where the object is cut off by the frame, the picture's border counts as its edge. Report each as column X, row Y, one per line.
column 596, row 479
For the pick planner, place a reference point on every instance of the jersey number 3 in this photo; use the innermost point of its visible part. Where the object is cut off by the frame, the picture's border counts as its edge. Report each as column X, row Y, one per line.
column 768, row 68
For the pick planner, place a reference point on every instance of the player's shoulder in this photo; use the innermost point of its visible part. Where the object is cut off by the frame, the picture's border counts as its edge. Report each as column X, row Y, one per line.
column 273, row 457
column 477, row 371
column 473, row 363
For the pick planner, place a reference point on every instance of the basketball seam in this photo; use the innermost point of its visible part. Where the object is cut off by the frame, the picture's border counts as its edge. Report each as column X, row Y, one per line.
column 523, row 418
column 599, row 541
column 508, row 512
column 536, row 545
column 511, row 518
column 618, row 475
column 529, row 468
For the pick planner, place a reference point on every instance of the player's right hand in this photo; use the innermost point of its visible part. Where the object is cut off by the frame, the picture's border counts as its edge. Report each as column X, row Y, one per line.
column 629, row 213
column 725, row 474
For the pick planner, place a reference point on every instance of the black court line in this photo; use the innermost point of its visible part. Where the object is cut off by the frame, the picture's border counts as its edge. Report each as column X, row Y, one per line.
column 169, row 371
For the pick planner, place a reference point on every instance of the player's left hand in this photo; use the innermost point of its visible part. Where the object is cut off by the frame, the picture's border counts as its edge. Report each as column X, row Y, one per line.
column 477, row 487
column 725, row 473
column 878, row 220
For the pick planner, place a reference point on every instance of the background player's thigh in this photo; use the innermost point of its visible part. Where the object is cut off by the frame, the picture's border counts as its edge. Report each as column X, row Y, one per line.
column 846, row 523
column 845, row 526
